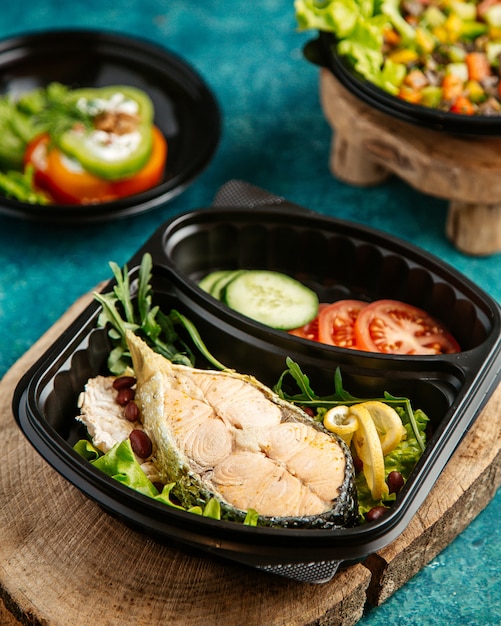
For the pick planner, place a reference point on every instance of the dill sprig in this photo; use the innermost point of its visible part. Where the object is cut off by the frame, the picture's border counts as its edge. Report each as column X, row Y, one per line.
column 58, row 117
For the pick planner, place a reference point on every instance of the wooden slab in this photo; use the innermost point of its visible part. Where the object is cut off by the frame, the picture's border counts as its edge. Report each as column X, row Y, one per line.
column 64, row 561
column 368, row 146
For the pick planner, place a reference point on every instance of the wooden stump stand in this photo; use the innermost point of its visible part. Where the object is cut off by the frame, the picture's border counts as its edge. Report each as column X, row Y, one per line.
column 63, row 561
column 368, row 146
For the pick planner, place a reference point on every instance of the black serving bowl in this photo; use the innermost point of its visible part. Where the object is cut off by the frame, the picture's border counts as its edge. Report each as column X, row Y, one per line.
column 185, row 108
column 322, row 51
column 348, row 261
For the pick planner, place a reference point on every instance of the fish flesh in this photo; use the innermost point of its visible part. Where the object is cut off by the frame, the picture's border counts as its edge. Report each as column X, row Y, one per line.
column 225, row 435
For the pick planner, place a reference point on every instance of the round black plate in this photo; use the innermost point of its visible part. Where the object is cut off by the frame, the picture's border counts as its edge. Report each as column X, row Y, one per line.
column 322, row 52
column 185, row 109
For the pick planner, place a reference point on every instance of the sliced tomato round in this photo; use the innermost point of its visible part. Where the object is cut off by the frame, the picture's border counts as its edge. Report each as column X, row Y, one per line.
column 64, row 180
column 336, row 324
column 394, row 327
column 68, row 183
column 36, row 156
column 309, row 330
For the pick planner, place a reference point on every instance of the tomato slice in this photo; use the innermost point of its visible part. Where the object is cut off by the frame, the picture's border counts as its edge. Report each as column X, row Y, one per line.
column 336, row 325
column 309, row 330
column 394, row 327
column 36, row 155
column 68, row 183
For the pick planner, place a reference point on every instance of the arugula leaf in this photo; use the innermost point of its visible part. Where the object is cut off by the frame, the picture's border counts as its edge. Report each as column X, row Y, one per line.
column 402, row 458
column 307, row 397
column 120, row 312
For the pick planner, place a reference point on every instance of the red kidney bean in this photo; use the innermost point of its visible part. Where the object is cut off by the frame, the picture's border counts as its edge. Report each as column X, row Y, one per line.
column 124, row 396
column 131, row 412
column 141, row 443
column 124, row 382
column 395, row 481
column 376, row 513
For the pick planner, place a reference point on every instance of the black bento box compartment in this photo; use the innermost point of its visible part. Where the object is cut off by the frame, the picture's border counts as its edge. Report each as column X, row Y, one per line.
column 339, row 260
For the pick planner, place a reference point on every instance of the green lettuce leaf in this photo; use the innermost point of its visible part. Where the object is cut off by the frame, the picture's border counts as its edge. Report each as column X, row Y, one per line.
column 121, row 464
column 358, row 28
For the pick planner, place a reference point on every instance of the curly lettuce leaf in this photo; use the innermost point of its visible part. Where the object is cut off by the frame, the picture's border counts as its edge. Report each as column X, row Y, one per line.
column 19, row 186
column 21, row 119
column 358, row 27
column 339, row 17
column 391, row 8
column 121, row 464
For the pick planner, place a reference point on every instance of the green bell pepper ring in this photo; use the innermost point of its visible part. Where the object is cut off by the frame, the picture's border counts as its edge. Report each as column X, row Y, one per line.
column 111, row 155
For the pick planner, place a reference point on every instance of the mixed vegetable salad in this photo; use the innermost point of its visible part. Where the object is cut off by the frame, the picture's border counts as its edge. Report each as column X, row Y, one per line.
column 385, row 435
column 79, row 146
column 443, row 54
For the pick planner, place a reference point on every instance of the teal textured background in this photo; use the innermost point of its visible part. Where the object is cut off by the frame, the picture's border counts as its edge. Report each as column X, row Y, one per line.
column 274, row 136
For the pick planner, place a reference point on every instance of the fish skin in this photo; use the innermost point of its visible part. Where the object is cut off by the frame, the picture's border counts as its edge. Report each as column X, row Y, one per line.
column 180, row 392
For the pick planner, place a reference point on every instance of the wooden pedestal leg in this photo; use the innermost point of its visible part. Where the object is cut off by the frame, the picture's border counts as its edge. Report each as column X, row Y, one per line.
column 474, row 228
column 349, row 162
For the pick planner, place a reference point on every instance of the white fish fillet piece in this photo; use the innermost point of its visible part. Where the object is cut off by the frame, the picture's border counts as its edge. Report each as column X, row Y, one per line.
column 104, row 420
column 102, row 415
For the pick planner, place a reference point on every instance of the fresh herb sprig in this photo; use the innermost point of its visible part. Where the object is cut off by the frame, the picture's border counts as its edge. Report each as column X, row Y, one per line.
column 125, row 308
column 308, row 398
column 61, row 116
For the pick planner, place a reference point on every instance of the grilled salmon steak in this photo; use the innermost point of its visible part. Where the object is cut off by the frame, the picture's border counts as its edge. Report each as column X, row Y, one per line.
column 225, row 435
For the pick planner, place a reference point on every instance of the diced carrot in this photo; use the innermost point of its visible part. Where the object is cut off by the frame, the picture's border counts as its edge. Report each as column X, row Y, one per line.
column 478, row 65
column 391, row 37
column 463, row 105
column 410, row 95
column 452, row 87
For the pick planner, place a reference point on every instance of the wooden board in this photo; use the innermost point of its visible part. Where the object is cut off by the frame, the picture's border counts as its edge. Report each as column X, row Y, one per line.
column 368, row 146
column 64, row 561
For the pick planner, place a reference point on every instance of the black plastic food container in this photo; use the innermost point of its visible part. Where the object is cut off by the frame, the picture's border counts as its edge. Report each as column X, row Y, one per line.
column 348, row 261
column 186, row 110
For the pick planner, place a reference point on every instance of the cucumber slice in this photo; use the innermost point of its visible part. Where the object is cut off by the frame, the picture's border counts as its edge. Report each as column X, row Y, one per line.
column 219, row 286
column 215, row 282
column 271, row 298
column 208, row 282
